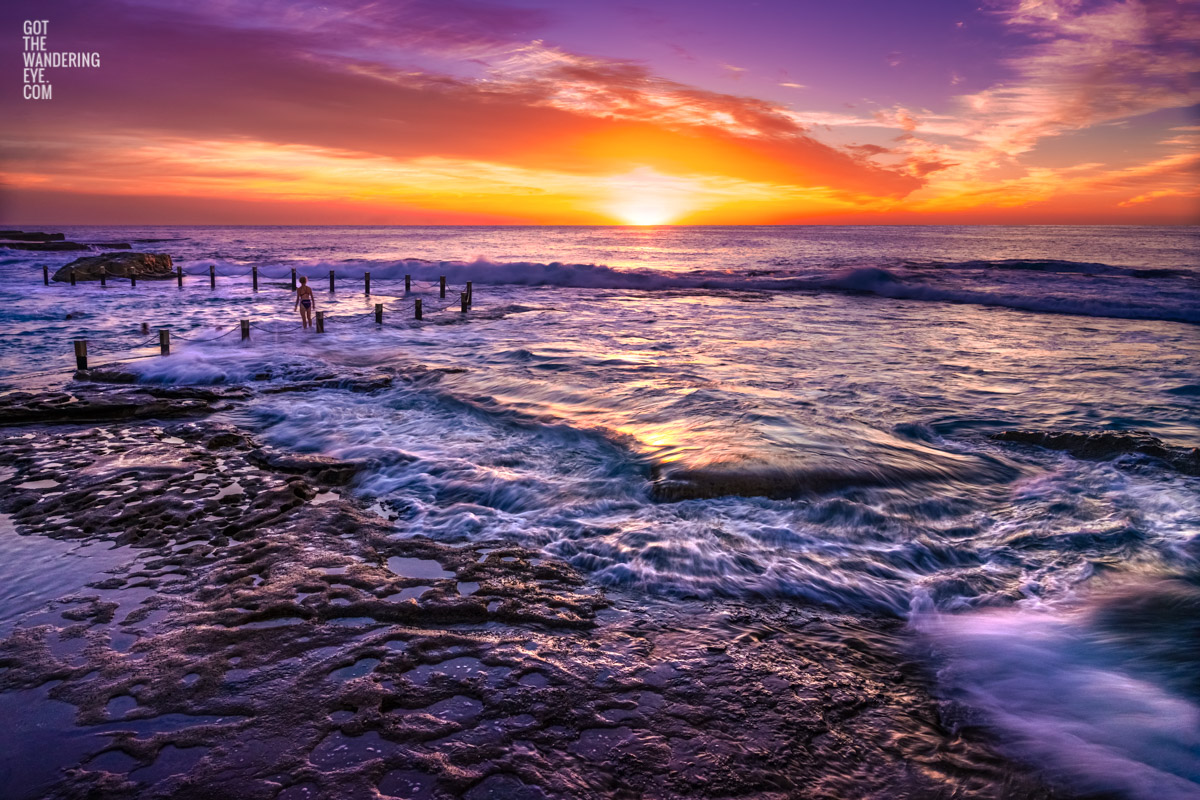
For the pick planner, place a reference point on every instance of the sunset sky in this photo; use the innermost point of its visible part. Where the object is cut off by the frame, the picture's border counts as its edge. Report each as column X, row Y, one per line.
column 565, row 112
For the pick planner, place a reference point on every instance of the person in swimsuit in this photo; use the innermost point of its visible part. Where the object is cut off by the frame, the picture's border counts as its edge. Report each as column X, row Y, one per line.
column 305, row 301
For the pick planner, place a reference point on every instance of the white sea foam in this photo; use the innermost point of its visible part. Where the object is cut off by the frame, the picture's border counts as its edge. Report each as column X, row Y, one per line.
column 1059, row 696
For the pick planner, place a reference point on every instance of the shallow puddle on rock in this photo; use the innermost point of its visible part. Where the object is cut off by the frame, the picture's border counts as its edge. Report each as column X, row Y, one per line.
column 411, row 593
column 417, row 568
column 299, row 791
column 458, row 708
column 356, row 670
column 337, row 750
column 48, row 483
column 467, row 587
column 270, row 623
column 461, row 668
column 232, row 489
column 325, row 497
column 351, row 622
column 119, row 706
column 409, row 784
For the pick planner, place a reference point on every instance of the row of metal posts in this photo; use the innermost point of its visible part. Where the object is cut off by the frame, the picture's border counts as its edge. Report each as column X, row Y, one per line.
column 212, row 280
column 164, row 335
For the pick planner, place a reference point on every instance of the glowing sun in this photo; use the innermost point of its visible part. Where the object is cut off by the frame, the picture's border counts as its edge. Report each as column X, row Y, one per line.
column 650, row 211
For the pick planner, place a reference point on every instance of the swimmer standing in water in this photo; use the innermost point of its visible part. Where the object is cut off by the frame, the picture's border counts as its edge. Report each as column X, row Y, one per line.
column 305, row 301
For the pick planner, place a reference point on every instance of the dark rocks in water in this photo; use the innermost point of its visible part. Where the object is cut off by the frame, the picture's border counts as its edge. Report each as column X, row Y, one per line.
column 1102, row 445
column 44, row 246
column 144, row 266
column 95, row 405
column 320, row 468
column 25, row 236
column 787, row 482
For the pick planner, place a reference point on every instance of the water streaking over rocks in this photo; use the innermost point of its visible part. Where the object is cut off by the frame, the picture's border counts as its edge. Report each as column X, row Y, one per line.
column 683, row 513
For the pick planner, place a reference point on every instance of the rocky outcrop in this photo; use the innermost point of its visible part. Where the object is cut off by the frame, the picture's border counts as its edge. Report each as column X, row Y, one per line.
column 1102, row 445
column 23, row 236
column 97, row 405
column 143, row 266
column 319, row 468
column 44, row 246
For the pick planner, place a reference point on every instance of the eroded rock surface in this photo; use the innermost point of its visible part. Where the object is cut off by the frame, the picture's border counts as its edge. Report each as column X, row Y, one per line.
column 271, row 639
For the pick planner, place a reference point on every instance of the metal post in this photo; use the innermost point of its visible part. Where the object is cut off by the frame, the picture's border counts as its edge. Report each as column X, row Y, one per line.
column 379, row 313
column 320, row 322
column 331, row 280
column 72, row 277
column 179, row 276
column 103, row 276
column 462, row 298
column 470, row 294
column 254, row 277
column 164, row 342
column 81, row 354
column 293, row 279
column 418, row 309
column 245, row 329
column 212, row 276
column 366, row 283
column 145, row 328
column 132, row 281
column 407, row 284
column 45, row 275
column 443, row 280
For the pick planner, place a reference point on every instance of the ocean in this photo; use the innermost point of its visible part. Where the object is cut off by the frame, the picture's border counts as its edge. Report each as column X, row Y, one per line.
column 737, row 417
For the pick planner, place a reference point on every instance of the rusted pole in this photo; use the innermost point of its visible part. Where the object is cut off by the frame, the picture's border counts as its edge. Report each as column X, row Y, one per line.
column 418, row 309
column 245, row 329
column 366, row 283
column 320, row 322
column 407, row 284
column 45, row 274
column 379, row 313
column 72, row 277
column 462, row 298
column 164, row 342
column 81, row 354
column 212, row 276
column 145, row 328
column 293, row 279
column 331, row 280
column 254, row 277
column 470, row 294
column 132, row 281
column 179, row 276
column 103, row 276
column 443, row 281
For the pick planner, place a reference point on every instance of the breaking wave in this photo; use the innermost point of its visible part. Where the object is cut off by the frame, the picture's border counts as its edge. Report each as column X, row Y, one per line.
column 1048, row 286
